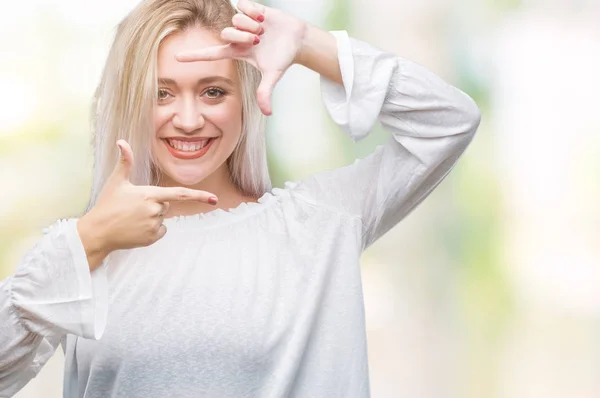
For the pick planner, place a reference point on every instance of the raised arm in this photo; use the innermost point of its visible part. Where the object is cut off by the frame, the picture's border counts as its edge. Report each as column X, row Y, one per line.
column 431, row 123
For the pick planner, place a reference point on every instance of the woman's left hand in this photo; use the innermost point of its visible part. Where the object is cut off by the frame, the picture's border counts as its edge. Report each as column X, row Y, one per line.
column 267, row 38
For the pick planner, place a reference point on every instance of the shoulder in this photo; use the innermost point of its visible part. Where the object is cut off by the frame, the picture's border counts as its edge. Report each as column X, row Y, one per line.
column 314, row 194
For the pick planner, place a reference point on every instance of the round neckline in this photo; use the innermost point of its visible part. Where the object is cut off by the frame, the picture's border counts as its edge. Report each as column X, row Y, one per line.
column 219, row 215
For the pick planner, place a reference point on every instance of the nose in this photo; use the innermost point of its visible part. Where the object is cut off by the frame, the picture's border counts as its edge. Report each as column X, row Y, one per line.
column 188, row 117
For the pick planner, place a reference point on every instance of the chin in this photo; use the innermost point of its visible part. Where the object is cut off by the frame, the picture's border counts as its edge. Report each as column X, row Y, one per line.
column 187, row 179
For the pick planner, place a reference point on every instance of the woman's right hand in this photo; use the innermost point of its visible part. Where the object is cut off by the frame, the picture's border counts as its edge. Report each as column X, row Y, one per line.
column 127, row 216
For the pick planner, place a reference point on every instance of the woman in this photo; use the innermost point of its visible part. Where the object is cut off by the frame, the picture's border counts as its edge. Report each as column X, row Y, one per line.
column 263, row 299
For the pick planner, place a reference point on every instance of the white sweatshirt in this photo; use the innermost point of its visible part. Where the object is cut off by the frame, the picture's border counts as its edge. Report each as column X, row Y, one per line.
column 263, row 300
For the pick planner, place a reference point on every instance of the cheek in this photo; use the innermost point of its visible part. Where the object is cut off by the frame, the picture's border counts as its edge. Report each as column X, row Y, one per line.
column 228, row 119
column 161, row 116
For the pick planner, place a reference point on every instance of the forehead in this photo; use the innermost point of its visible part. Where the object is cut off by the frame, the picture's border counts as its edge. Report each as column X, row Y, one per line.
column 189, row 72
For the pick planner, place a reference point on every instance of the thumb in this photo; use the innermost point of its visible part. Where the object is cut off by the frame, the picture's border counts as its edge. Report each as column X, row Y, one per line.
column 123, row 167
column 265, row 90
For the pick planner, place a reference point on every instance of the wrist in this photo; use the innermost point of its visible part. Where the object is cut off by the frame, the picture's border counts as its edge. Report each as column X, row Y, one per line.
column 318, row 52
column 306, row 37
column 93, row 240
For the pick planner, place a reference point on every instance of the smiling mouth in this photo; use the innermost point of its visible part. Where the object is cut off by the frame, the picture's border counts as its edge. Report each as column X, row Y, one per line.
column 186, row 149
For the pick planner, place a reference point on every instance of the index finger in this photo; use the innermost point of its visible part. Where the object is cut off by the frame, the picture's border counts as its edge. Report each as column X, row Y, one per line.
column 253, row 9
column 167, row 194
column 213, row 53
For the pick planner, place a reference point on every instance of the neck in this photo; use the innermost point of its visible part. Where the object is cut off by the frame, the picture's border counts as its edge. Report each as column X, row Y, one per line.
column 218, row 183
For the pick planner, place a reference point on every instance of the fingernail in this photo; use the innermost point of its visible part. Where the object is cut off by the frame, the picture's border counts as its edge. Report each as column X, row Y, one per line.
column 256, row 40
column 262, row 30
column 212, row 200
column 260, row 18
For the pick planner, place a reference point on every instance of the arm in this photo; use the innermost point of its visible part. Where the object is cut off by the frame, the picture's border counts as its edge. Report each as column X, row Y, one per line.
column 51, row 294
column 92, row 240
column 319, row 52
column 60, row 286
column 431, row 124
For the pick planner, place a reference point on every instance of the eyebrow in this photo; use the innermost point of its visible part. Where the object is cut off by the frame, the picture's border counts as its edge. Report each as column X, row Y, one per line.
column 205, row 80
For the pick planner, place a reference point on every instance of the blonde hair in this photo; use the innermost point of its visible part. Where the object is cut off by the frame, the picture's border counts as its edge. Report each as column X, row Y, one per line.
column 124, row 100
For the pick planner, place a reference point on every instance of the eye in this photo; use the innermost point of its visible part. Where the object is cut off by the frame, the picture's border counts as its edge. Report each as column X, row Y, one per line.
column 214, row 93
column 163, row 94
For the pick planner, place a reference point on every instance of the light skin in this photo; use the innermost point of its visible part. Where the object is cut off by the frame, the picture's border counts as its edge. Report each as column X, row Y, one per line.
column 197, row 100
column 199, row 97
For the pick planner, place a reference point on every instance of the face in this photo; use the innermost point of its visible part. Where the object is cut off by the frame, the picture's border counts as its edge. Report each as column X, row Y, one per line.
column 198, row 114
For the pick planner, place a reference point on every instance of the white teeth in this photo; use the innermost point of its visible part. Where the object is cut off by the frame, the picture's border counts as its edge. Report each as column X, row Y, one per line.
column 187, row 146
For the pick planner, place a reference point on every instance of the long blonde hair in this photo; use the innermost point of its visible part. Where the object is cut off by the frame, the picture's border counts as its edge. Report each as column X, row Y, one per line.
column 124, row 100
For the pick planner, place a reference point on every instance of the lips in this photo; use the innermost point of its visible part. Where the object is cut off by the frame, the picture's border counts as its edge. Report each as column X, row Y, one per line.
column 186, row 149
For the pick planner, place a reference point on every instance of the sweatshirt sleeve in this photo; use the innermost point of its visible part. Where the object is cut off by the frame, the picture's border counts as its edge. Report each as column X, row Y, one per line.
column 430, row 122
column 51, row 294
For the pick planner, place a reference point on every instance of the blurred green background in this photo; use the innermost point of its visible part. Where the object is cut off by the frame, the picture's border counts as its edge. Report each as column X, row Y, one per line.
column 490, row 288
